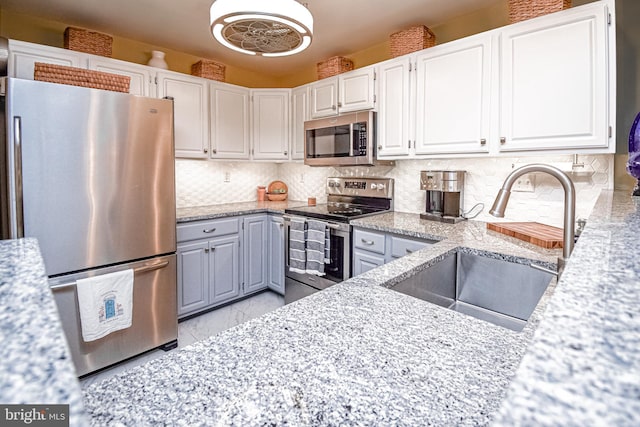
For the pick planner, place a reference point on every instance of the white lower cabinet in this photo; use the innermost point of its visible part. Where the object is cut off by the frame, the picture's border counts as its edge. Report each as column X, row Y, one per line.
column 225, row 259
column 372, row 249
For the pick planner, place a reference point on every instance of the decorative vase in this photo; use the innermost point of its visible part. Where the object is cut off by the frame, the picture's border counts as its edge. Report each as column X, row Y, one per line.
column 157, row 60
column 633, row 165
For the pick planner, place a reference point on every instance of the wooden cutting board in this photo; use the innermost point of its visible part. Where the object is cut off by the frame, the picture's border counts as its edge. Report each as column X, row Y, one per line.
column 535, row 233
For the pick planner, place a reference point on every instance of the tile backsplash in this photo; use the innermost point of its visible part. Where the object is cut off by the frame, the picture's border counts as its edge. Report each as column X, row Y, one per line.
column 200, row 183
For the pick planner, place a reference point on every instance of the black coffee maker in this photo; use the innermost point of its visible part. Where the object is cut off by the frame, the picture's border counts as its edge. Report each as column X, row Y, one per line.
column 444, row 195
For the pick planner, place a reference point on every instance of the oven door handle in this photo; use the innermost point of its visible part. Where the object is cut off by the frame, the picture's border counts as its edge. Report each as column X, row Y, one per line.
column 332, row 226
column 350, row 139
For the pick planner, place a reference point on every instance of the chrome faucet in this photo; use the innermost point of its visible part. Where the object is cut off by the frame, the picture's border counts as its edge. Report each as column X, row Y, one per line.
column 569, row 203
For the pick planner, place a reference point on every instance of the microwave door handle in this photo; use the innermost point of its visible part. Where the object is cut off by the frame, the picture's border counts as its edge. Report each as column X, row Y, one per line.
column 350, row 139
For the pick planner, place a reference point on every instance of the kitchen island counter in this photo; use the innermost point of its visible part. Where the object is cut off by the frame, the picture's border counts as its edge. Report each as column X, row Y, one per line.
column 36, row 366
column 355, row 354
column 360, row 354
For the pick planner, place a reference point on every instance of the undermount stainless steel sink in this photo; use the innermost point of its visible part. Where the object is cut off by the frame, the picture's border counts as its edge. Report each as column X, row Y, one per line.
column 503, row 293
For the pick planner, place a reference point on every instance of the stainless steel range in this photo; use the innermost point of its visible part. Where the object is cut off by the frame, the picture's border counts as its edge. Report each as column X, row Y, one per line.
column 347, row 199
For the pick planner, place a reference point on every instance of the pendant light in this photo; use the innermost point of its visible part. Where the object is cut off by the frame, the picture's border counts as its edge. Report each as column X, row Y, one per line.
column 262, row 27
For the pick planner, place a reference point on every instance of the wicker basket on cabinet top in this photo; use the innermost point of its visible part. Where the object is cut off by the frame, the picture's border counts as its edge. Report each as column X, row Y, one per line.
column 209, row 69
column 334, row 66
column 62, row 74
column 520, row 10
column 86, row 41
column 411, row 40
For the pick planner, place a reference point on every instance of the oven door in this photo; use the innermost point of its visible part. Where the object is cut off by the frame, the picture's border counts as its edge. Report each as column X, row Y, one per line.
column 298, row 285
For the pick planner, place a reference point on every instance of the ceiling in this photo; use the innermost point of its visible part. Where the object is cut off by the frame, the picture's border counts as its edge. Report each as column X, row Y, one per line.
column 341, row 27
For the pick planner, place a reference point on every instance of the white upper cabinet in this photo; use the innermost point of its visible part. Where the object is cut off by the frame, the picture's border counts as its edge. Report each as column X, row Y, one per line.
column 299, row 114
column 324, row 98
column 554, row 81
column 350, row 91
column 356, row 90
column 230, row 134
column 142, row 77
column 453, row 97
column 23, row 56
column 190, row 109
column 394, row 107
column 270, row 123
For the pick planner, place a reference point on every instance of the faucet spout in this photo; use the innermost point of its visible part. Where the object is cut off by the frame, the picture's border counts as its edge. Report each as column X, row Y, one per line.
column 500, row 204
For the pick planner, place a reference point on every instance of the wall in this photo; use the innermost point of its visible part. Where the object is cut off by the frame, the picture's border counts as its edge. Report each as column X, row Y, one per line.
column 37, row 30
column 201, row 183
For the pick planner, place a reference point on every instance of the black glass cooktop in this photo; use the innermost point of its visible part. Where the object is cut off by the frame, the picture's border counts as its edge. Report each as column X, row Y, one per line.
column 342, row 212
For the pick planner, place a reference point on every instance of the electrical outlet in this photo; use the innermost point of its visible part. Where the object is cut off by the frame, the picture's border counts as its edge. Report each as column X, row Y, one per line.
column 227, row 177
column 302, row 178
column 525, row 184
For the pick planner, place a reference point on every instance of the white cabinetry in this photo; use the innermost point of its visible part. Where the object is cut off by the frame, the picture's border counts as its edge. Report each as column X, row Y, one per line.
column 270, row 123
column 230, row 135
column 554, row 81
column 191, row 113
column 299, row 114
column 143, row 78
column 357, row 90
column 394, row 107
column 23, row 56
column 324, row 98
column 453, row 97
column 351, row 91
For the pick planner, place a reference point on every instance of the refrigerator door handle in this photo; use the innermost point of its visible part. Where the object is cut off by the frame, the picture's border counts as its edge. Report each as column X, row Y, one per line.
column 17, row 158
column 143, row 269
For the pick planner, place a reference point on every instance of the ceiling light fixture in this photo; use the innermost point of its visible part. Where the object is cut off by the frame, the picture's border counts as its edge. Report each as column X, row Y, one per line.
column 262, row 27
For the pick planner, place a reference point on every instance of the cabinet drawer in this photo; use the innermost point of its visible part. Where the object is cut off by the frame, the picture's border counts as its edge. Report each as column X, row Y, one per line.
column 401, row 246
column 207, row 229
column 369, row 241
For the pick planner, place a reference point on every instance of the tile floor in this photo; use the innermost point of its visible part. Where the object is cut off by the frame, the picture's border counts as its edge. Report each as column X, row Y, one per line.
column 201, row 327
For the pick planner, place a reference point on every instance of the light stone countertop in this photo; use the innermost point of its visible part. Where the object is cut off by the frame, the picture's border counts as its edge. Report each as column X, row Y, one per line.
column 36, row 366
column 233, row 209
column 355, row 354
column 360, row 354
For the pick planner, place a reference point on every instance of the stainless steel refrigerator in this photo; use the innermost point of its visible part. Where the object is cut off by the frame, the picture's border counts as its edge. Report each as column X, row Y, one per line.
column 90, row 174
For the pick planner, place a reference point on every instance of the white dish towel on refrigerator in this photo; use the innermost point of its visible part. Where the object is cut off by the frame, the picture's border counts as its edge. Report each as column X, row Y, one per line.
column 106, row 303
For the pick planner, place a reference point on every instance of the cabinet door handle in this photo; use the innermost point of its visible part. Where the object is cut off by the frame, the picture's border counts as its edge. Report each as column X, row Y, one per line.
column 286, row 153
column 206, row 250
column 206, row 150
column 209, row 230
column 379, row 147
column 483, row 141
column 214, row 151
column 503, row 140
column 339, row 104
column 367, row 242
column 213, row 248
column 281, row 225
column 333, row 107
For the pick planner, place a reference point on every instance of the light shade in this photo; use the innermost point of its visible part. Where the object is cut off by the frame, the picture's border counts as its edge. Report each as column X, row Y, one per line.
column 262, row 27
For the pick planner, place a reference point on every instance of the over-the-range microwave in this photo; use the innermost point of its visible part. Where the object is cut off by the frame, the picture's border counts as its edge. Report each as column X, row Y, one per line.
column 343, row 140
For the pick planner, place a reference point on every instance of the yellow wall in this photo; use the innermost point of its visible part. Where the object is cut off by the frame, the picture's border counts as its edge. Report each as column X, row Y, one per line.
column 42, row 31
column 37, row 30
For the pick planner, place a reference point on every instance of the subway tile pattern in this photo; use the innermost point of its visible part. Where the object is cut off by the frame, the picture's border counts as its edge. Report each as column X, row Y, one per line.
column 201, row 183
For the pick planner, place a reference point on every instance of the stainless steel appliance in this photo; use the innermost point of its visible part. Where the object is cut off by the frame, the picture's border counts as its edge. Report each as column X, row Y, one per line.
column 445, row 195
column 344, row 140
column 90, row 174
column 347, row 199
